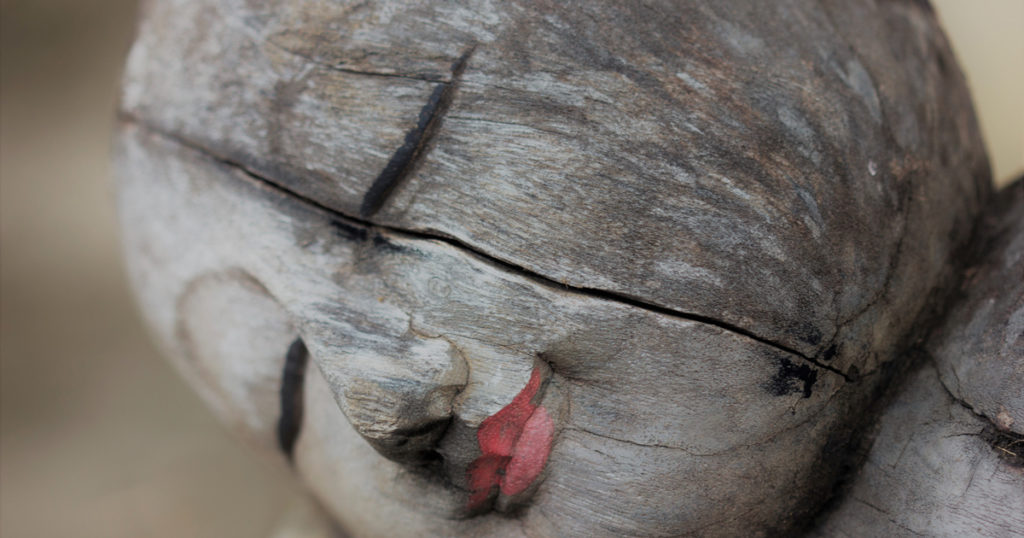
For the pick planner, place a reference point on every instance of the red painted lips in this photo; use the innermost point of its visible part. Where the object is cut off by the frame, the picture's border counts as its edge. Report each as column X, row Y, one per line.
column 515, row 443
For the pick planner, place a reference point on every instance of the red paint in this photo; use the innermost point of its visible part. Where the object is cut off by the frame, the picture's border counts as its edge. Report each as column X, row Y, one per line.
column 514, row 445
column 530, row 453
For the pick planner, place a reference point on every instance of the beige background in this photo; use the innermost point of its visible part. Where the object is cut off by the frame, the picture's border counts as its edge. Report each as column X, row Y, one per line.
column 98, row 436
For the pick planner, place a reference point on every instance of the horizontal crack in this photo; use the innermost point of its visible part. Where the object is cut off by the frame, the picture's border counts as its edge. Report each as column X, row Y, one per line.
column 597, row 293
column 424, row 78
column 634, row 443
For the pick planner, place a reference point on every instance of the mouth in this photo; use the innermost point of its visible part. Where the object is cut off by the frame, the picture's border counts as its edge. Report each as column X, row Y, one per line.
column 514, row 444
column 493, row 464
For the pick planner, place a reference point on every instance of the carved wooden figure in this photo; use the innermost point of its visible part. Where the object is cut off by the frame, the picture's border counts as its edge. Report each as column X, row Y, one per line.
column 535, row 268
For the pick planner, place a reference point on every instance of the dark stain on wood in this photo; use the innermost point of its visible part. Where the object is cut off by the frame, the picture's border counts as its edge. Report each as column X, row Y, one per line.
column 348, row 231
column 383, row 244
column 792, row 378
column 292, row 379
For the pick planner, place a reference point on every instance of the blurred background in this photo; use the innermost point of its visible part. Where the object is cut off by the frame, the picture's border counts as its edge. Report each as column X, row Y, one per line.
column 98, row 436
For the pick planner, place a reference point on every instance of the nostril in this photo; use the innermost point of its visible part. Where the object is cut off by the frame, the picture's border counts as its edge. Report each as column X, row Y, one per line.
column 422, row 429
column 413, row 445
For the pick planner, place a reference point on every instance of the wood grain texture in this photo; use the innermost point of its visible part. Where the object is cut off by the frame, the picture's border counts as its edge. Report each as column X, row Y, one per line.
column 706, row 228
column 949, row 457
column 796, row 170
column 979, row 351
column 386, row 318
column 931, row 473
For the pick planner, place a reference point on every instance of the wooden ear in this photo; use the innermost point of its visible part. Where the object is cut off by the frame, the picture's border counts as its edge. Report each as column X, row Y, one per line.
column 979, row 350
column 948, row 459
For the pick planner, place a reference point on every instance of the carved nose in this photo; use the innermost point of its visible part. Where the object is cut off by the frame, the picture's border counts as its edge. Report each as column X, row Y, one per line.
column 397, row 394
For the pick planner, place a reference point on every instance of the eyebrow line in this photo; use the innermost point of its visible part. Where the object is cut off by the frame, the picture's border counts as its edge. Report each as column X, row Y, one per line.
column 405, row 158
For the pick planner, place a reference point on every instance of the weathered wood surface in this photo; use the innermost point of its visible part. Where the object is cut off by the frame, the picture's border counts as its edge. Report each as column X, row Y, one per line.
column 799, row 170
column 702, row 227
column 932, row 472
column 949, row 456
column 718, row 417
column 980, row 350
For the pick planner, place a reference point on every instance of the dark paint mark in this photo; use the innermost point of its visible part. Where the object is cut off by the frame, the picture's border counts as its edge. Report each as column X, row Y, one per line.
column 292, row 379
column 384, row 244
column 402, row 161
column 348, row 231
column 789, row 377
column 829, row 353
column 810, row 334
column 358, row 233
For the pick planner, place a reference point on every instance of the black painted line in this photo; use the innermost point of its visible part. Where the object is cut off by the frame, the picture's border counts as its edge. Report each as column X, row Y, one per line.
column 403, row 160
column 292, row 379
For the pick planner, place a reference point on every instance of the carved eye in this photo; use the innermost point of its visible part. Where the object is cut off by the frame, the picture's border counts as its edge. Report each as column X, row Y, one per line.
column 236, row 339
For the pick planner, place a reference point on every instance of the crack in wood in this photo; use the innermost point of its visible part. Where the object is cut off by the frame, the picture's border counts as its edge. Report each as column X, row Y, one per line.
column 638, row 444
column 508, row 266
column 405, row 157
